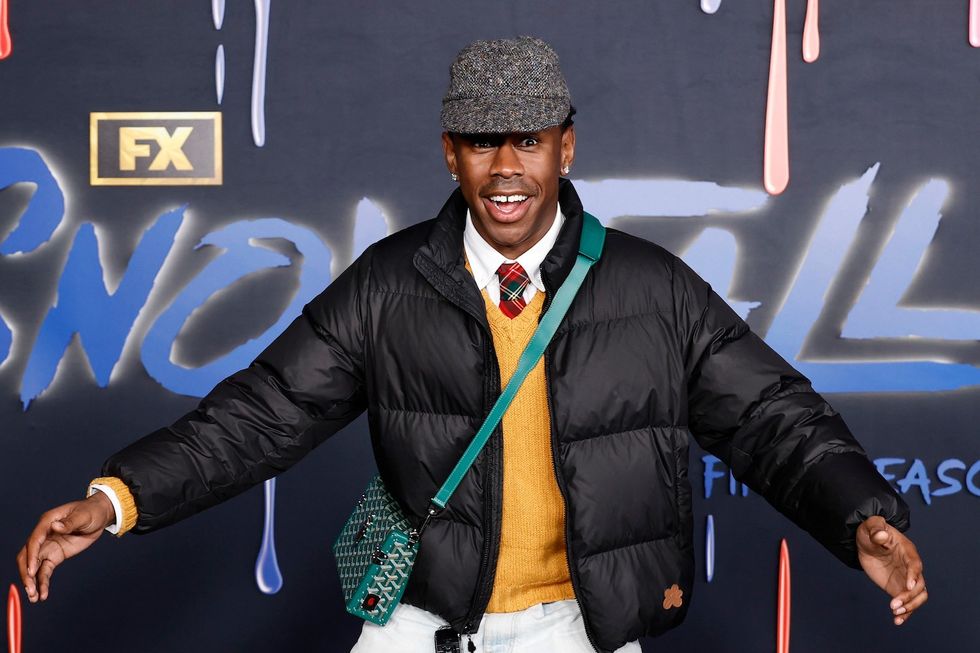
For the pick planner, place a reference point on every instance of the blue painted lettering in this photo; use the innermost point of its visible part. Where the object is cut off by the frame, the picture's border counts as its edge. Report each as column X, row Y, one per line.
column 952, row 485
column 83, row 306
column 917, row 476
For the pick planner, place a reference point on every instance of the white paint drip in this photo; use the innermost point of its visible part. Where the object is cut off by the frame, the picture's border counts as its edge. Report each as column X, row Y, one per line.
column 219, row 72
column 974, row 25
column 710, row 6
column 258, row 71
column 218, row 12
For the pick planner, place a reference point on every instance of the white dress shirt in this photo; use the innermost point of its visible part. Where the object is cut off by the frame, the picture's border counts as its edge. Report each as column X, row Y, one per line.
column 484, row 260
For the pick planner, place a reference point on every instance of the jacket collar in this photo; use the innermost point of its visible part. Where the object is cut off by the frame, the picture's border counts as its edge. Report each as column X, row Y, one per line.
column 440, row 258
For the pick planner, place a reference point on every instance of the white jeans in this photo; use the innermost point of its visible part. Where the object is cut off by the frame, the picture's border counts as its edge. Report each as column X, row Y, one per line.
column 555, row 626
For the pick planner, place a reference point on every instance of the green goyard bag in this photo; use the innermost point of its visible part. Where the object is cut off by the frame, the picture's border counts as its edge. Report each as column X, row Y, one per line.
column 376, row 548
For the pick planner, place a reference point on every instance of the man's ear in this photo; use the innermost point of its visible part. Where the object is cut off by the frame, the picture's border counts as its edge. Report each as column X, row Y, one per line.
column 449, row 149
column 568, row 146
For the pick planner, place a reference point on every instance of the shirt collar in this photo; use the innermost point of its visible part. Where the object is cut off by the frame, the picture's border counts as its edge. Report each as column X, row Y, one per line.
column 484, row 259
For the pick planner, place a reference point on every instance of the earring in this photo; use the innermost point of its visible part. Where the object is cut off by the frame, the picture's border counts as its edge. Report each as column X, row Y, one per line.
column 565, row 169
column 454, row 176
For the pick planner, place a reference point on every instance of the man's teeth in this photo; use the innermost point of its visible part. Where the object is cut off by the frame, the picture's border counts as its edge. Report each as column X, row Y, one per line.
column 508, row 198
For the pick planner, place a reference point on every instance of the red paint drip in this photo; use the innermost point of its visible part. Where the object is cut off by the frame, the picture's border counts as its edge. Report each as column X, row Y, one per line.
column 811, row 32
column 13, row 619
column 775, row 157
column 783, row 601
column 6, row 44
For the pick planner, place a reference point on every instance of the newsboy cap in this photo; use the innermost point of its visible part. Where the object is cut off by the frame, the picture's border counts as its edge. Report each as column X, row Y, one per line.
column 503, row 86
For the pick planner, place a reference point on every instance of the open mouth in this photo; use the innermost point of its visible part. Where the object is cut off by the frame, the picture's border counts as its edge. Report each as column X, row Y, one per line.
column 507, row 207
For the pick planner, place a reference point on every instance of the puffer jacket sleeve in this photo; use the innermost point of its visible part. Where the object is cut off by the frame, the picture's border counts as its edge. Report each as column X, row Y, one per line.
column 760, row 416
column 305, row 386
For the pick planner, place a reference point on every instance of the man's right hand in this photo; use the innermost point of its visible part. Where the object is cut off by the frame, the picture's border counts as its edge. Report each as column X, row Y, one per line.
column 61, row 533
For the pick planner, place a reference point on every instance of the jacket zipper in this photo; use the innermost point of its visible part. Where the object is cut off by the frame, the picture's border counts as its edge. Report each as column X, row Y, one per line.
column 484, row 579
column 564, row 495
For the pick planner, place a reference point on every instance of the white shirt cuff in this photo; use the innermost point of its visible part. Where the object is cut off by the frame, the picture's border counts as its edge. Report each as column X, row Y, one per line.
column 116, row 506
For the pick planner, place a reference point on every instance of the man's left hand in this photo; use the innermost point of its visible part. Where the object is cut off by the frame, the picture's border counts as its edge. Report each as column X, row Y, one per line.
column 893, row 563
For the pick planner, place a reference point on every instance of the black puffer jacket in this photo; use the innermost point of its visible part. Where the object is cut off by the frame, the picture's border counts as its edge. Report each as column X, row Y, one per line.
column 646, row 353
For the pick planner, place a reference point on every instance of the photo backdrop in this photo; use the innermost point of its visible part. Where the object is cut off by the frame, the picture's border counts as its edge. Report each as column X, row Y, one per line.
column 177, row 179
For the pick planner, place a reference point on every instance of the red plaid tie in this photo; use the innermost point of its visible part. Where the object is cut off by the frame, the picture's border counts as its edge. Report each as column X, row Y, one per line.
column 513, row 281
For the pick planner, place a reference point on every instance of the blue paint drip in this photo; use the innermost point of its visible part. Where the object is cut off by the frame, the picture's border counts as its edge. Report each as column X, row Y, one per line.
column 709, row 549
column 84, row 306
column 267, row 574
column 46, row 207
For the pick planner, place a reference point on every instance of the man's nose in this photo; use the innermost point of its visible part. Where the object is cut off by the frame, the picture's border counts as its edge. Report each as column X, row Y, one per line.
column 506, row 162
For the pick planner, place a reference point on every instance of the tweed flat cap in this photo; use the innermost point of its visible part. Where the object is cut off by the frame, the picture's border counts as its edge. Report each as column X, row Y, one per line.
column 503, row 86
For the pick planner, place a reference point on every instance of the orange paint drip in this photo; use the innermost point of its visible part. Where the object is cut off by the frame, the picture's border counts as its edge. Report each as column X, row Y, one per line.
column 811, row 31
column 13, row 619
column 775, row 160
column 783, row 601
column 6, row 44
column 975, row 23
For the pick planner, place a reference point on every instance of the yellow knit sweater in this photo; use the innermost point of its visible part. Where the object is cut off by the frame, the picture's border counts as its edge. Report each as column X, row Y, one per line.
column 531, row 564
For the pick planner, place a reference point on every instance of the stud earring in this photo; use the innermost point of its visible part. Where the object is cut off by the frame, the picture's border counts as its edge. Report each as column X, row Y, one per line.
column 565, row 169
column 454, row 176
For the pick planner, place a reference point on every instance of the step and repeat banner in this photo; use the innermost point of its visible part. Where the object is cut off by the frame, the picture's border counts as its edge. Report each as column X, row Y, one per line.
column 177, row 179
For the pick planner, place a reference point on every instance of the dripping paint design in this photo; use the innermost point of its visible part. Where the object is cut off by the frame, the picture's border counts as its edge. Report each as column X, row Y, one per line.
column 710, row 6
column 6, row 44
column 783, row 606
column 13, row 619
column 974, row 28
column 218, row 13
column 775, row 164
column 267, row 574
column 219, row 72
column 258, row 70
column 811, row 31
column 709, row 550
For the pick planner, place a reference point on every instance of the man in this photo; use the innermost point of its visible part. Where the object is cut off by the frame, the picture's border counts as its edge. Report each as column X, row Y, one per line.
column 573, row 530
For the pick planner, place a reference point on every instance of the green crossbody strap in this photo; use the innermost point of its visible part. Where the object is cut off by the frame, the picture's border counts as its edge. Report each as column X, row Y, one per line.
column 589, row 250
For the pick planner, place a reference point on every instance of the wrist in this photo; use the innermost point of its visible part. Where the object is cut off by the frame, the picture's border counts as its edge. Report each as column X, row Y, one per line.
column 103, row 506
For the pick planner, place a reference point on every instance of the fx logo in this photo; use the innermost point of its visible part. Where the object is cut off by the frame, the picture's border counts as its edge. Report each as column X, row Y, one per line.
column 155, row 148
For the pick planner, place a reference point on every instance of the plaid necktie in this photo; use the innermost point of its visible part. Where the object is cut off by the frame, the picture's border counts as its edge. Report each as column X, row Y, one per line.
column 513, row 281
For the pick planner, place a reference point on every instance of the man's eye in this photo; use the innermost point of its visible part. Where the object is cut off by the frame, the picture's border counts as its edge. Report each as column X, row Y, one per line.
column 482, row 144
column 527, row 142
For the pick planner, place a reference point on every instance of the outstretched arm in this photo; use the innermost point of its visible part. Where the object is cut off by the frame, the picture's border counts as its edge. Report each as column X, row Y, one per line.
column 759, row 415
column 305, row 386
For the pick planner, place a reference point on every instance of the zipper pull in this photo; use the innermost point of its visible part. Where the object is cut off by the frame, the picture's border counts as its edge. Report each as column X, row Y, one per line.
column 468, row 629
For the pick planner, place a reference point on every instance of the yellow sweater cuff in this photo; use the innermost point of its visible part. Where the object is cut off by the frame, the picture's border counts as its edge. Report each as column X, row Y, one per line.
column 126, row 501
